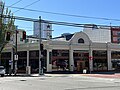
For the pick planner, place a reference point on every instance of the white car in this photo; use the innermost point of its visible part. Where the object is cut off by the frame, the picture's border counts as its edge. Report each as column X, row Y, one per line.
column 2, row 71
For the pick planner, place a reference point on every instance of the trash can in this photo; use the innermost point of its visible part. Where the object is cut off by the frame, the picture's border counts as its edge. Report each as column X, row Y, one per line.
column 28, row 70
column 84, row 71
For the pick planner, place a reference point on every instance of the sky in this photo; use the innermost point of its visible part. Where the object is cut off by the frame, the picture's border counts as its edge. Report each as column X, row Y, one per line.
column 90, row 8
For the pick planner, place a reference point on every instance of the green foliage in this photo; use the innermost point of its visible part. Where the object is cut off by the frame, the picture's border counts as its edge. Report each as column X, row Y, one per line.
column 6, row 25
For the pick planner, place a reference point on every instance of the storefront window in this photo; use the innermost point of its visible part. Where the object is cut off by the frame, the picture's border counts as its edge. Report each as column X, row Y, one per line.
column 60, row 60
column 22, row 61
column 5, row 57
column 115, row 58
column 34, row 60
column 81, row 60
column 60, row 65
column 99, row 60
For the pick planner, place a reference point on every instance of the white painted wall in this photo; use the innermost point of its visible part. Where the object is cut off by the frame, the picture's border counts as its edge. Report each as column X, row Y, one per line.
column 98, row 35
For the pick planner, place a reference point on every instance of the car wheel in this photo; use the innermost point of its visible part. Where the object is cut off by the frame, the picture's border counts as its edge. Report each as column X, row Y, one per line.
column 2, row 75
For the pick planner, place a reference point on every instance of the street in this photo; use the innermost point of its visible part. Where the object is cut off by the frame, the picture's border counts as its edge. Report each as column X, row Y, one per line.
column 59, row 82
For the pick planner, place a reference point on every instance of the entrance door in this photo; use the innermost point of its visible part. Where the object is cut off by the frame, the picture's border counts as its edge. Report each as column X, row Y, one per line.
column 80, row 65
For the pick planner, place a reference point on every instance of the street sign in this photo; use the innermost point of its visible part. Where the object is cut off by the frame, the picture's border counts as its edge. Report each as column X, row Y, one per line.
column 10, row 62
column 90, row 58
column 16, row 57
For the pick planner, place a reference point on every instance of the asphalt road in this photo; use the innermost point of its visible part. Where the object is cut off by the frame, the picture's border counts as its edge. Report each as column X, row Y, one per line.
column 62, row 82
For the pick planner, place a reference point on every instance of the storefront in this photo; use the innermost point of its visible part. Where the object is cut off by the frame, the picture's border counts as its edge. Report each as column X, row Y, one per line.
column 60, row 60
column 100, row 60
column 22, row 62
column 115, row 58
column 81, row 60
column 5, row 58
column 72, row 55
column 34, row 60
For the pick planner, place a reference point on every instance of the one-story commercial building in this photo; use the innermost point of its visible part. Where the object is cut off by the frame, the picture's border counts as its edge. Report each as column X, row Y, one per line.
column 92, row 49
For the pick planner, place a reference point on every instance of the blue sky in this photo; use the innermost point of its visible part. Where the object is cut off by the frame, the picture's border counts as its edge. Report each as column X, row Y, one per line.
column 92, row 8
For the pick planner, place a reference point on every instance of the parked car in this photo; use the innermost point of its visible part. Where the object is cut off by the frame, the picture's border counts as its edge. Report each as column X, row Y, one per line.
column 2, row 71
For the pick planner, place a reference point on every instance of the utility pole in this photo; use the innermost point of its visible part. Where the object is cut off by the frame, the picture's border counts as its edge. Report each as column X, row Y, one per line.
column 16, row 56
column 40, row 55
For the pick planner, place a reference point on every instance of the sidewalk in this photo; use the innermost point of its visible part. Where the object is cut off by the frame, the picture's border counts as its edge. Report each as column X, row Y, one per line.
column 103, row 75
column 116, row 75
column 78, row 75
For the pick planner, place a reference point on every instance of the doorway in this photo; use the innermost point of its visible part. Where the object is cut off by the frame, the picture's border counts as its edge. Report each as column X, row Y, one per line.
column 80, row 65
column 81, row 60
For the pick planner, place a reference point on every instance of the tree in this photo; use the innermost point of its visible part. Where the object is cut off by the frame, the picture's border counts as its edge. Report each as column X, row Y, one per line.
column 6, row 25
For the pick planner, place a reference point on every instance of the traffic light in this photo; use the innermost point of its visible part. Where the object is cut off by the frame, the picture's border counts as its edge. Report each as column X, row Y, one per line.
column 8, row 36
column 43, row 52
column 24, row 35
column 41, row 47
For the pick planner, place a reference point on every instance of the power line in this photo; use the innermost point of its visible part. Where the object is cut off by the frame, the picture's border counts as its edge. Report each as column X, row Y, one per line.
column 25, row 27
column 56, row 22
column 27, row 6
column 15, row 3
column 30, row 30
column 64, row 14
